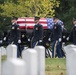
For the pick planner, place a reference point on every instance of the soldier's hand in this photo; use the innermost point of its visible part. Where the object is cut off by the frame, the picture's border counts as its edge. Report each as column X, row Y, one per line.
column 13, row 28
column 29, row 40
column 4, row 39
column 49, row 39
column 23, row 36
column 19, row 41
column 40, row 40
column 59, row 39
column 67, row 38
column 1, row 41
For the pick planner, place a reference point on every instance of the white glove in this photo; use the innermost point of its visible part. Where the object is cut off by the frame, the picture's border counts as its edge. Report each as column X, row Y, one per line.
column 0, row 41
column 23, row 36
column 64, row 37
column 4, row 38
column 49, row 39
column 40, row 40
column 28, row 39
column 19, row 41
column 13, row 27
column 59, row 39
column 67, row 38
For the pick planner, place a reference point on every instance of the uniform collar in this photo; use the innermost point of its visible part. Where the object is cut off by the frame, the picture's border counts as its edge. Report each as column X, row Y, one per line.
column 37, row 23
column 13, row 23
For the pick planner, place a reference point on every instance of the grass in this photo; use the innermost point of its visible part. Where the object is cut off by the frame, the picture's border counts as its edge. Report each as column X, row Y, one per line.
column 55, row 66
column 4, row 57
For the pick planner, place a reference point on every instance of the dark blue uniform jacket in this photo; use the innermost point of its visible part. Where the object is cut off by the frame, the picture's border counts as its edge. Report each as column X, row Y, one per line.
column 38, row 32
column 56, row 32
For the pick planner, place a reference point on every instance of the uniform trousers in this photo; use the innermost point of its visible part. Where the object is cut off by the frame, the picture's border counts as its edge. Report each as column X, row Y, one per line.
column 35, row 41
column 56, row 49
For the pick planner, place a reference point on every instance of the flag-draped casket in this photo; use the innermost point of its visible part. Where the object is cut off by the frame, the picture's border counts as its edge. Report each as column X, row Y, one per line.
column 28, row 23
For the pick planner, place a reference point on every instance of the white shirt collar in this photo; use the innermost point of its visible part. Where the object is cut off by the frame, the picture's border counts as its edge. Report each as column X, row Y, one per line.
column 14, row 23
column 36, row 23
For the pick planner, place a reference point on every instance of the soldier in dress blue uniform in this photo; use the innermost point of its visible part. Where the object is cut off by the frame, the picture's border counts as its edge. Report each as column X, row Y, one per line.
column 56, row 35
column 37, row 33
column 14, row 34
column 73, row 32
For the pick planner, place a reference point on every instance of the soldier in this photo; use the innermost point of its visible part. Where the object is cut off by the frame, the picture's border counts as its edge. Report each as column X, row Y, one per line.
column 56, row 35
column 1, row 36
column 14, row 37
column 37, row 33
column 72, row 35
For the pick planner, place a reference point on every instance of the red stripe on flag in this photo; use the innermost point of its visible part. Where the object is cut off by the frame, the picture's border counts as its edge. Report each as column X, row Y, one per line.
column 21, row 21
column 22, row 27
column 29, row 22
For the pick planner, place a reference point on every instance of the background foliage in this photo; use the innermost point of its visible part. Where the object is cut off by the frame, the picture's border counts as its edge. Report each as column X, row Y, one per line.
column 67, row 11
column 28, row 8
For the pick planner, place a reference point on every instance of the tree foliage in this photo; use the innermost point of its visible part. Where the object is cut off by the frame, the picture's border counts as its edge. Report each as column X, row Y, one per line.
column 29, row 8
column 67, row 11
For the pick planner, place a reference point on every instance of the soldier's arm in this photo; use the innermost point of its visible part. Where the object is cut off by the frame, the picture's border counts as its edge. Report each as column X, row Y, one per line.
column 6, row 35
column 60, row 31
column 32, row 33
column 71, row 34
column 51, row 35
column 18, row 32
column 41, row 32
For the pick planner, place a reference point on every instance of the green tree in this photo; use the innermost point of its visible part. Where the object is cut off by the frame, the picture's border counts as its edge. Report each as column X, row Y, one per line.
column 66, row 12
column 28, row 8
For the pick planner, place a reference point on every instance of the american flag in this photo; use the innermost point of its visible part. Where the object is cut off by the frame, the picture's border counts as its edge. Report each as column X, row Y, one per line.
column 21, row 22
column 50, row 23
column 28, row 23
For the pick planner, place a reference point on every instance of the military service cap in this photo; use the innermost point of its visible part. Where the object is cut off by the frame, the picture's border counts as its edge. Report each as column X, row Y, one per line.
column 36, row 17
column 14, row 18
